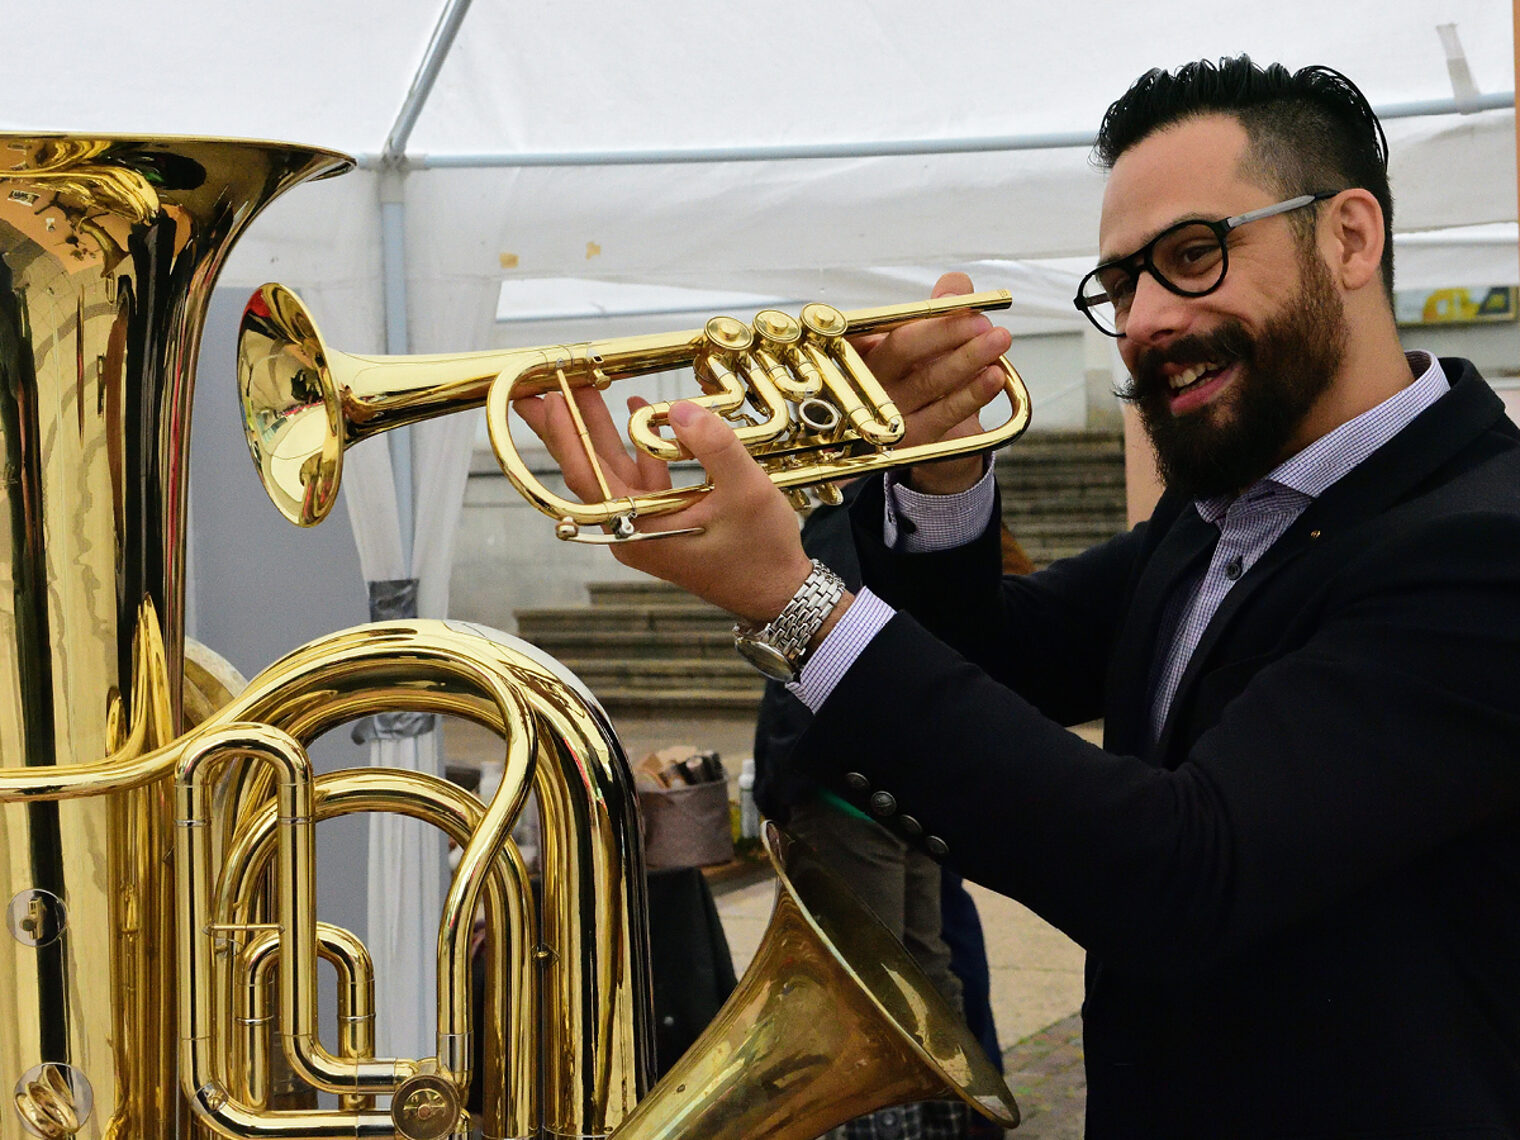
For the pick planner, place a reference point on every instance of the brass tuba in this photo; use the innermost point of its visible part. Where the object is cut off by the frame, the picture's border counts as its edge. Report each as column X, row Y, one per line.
column 108, row 250
column 161, row 940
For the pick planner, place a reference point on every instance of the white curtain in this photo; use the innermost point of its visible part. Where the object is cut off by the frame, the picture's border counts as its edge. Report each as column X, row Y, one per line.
column 406, row 859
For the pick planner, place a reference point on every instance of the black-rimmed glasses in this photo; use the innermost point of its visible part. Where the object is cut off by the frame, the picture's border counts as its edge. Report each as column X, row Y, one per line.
column 1190, row 259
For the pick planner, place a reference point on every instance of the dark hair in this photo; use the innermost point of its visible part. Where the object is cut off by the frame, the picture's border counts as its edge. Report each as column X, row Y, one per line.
column 1309, row 130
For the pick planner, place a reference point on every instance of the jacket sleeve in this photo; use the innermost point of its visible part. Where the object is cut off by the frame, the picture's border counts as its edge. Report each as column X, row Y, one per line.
column 1383, row 728
column 1046, row 635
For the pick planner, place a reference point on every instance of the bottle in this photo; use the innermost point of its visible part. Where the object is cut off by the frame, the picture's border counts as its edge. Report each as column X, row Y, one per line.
column 749, row 814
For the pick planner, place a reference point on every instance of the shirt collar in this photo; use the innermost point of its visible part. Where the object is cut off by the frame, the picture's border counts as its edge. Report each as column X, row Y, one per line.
column 1336, row 453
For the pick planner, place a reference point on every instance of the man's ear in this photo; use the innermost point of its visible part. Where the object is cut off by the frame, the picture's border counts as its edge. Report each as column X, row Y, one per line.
column 1352, row 237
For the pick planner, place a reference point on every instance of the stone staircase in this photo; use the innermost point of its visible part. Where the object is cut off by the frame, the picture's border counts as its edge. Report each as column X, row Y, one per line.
column 645, row 648
column 1062, row 491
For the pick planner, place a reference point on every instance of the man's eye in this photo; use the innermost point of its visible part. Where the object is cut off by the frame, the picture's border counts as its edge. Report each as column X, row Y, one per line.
column 1120, row 288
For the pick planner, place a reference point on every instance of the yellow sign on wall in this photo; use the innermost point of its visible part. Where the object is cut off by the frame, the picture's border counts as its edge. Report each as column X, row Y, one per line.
column 1457, row 305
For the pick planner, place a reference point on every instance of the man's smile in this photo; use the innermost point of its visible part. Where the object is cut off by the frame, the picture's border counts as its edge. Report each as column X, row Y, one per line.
column 1192, row 387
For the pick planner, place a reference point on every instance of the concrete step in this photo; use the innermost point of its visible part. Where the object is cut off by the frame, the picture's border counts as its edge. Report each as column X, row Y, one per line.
column 579, row 643
column 1046, row 506
column 1066, row 527
column 641, row 592
column 678, row 702
column 643, row 674
column 1061, row 446
column 673, row 618
column 1105, row 476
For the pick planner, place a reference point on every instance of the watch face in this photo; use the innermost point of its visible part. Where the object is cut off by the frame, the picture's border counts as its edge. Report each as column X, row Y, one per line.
column 766, row 658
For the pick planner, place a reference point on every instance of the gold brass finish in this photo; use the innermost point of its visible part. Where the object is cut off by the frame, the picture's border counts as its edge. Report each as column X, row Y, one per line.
column 795, row 391
column 833, row 1019
column 109, row 248
column 158, row 966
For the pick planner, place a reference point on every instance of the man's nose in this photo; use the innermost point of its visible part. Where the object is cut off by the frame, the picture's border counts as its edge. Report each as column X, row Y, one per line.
column 1155, row 312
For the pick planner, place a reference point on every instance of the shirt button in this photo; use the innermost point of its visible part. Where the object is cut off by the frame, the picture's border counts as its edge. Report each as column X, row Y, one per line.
column 936, row 847
column 911, row 825
column 1233, row 569
column 883, row 803
column 856, row 782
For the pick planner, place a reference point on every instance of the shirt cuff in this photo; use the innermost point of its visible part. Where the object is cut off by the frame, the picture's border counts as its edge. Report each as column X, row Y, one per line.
column 916, row 523
column 860, row 622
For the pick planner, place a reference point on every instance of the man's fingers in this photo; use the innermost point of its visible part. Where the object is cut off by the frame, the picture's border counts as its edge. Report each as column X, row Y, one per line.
column 957, row 284
column 653, row 473
column 934, row 420
column 556, row 427
column 713, row 444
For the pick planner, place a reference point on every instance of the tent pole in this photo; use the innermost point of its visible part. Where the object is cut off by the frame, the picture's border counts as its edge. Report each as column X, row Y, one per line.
column 394, row 167
column 883, row 148
column 392, row 189
column 437, row 51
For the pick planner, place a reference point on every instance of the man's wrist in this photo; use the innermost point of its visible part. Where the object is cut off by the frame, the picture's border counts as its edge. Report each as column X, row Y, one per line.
column 946, row 476
column 831, row 621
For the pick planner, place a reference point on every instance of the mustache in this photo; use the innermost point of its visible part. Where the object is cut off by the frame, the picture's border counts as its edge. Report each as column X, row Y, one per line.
column 1228, row 343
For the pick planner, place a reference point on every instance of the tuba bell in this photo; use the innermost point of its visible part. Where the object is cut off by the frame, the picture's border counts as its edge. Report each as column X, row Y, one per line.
column 108, row 251
column 156, row 861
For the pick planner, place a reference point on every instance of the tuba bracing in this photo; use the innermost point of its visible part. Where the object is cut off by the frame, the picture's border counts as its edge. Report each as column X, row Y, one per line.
column 161, row 946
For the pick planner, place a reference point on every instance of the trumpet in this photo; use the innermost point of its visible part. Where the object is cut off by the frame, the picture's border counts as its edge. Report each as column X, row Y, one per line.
column 797, row 393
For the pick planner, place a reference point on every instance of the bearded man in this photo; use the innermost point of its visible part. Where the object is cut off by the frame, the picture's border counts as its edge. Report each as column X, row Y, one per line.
column 1295, row 861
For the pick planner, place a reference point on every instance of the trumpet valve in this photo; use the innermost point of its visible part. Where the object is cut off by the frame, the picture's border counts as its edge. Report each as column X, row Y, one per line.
column 728, row 335
column 823, row 321
column 777, row 328
column 818, row 417
column 780, row 334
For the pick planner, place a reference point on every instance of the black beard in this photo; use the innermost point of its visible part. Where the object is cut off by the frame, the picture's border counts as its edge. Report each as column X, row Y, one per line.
column 1282, row 373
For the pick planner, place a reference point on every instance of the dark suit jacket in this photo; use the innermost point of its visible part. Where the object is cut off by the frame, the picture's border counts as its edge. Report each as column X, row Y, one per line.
column 1301, row 906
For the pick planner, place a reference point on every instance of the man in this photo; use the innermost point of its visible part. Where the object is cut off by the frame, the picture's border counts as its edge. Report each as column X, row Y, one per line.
column 1295, row 863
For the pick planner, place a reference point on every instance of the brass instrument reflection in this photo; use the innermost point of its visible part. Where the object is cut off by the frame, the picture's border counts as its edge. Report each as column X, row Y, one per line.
column 157, row 814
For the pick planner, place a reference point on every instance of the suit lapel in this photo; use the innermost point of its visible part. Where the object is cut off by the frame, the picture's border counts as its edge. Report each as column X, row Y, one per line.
column 1383, row 479
column 1181, row 552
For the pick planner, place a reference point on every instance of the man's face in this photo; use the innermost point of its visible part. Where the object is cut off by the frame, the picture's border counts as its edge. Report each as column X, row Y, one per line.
column 1224, row 383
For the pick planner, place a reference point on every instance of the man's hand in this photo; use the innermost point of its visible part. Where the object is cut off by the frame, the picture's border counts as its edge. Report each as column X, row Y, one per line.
column 941, row 373
column 749, row 560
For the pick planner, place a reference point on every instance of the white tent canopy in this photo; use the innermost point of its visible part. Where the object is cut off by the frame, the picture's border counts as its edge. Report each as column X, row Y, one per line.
column 588, row 82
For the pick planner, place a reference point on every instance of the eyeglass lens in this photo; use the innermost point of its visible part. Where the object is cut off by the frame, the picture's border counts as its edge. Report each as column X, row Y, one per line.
column 1187, row 259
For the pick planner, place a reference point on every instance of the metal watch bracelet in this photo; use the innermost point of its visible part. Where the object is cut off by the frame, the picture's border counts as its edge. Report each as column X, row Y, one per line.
column 779, row 648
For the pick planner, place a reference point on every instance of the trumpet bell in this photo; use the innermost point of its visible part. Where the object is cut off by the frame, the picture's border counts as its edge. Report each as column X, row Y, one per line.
column 832, row 1020
column 292, row 416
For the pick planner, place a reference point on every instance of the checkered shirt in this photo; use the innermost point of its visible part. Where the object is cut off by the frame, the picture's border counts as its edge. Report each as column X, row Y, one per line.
column 1250, row 522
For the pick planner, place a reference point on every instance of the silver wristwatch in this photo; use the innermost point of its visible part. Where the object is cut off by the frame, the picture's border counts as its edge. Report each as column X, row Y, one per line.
column 779, row 648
